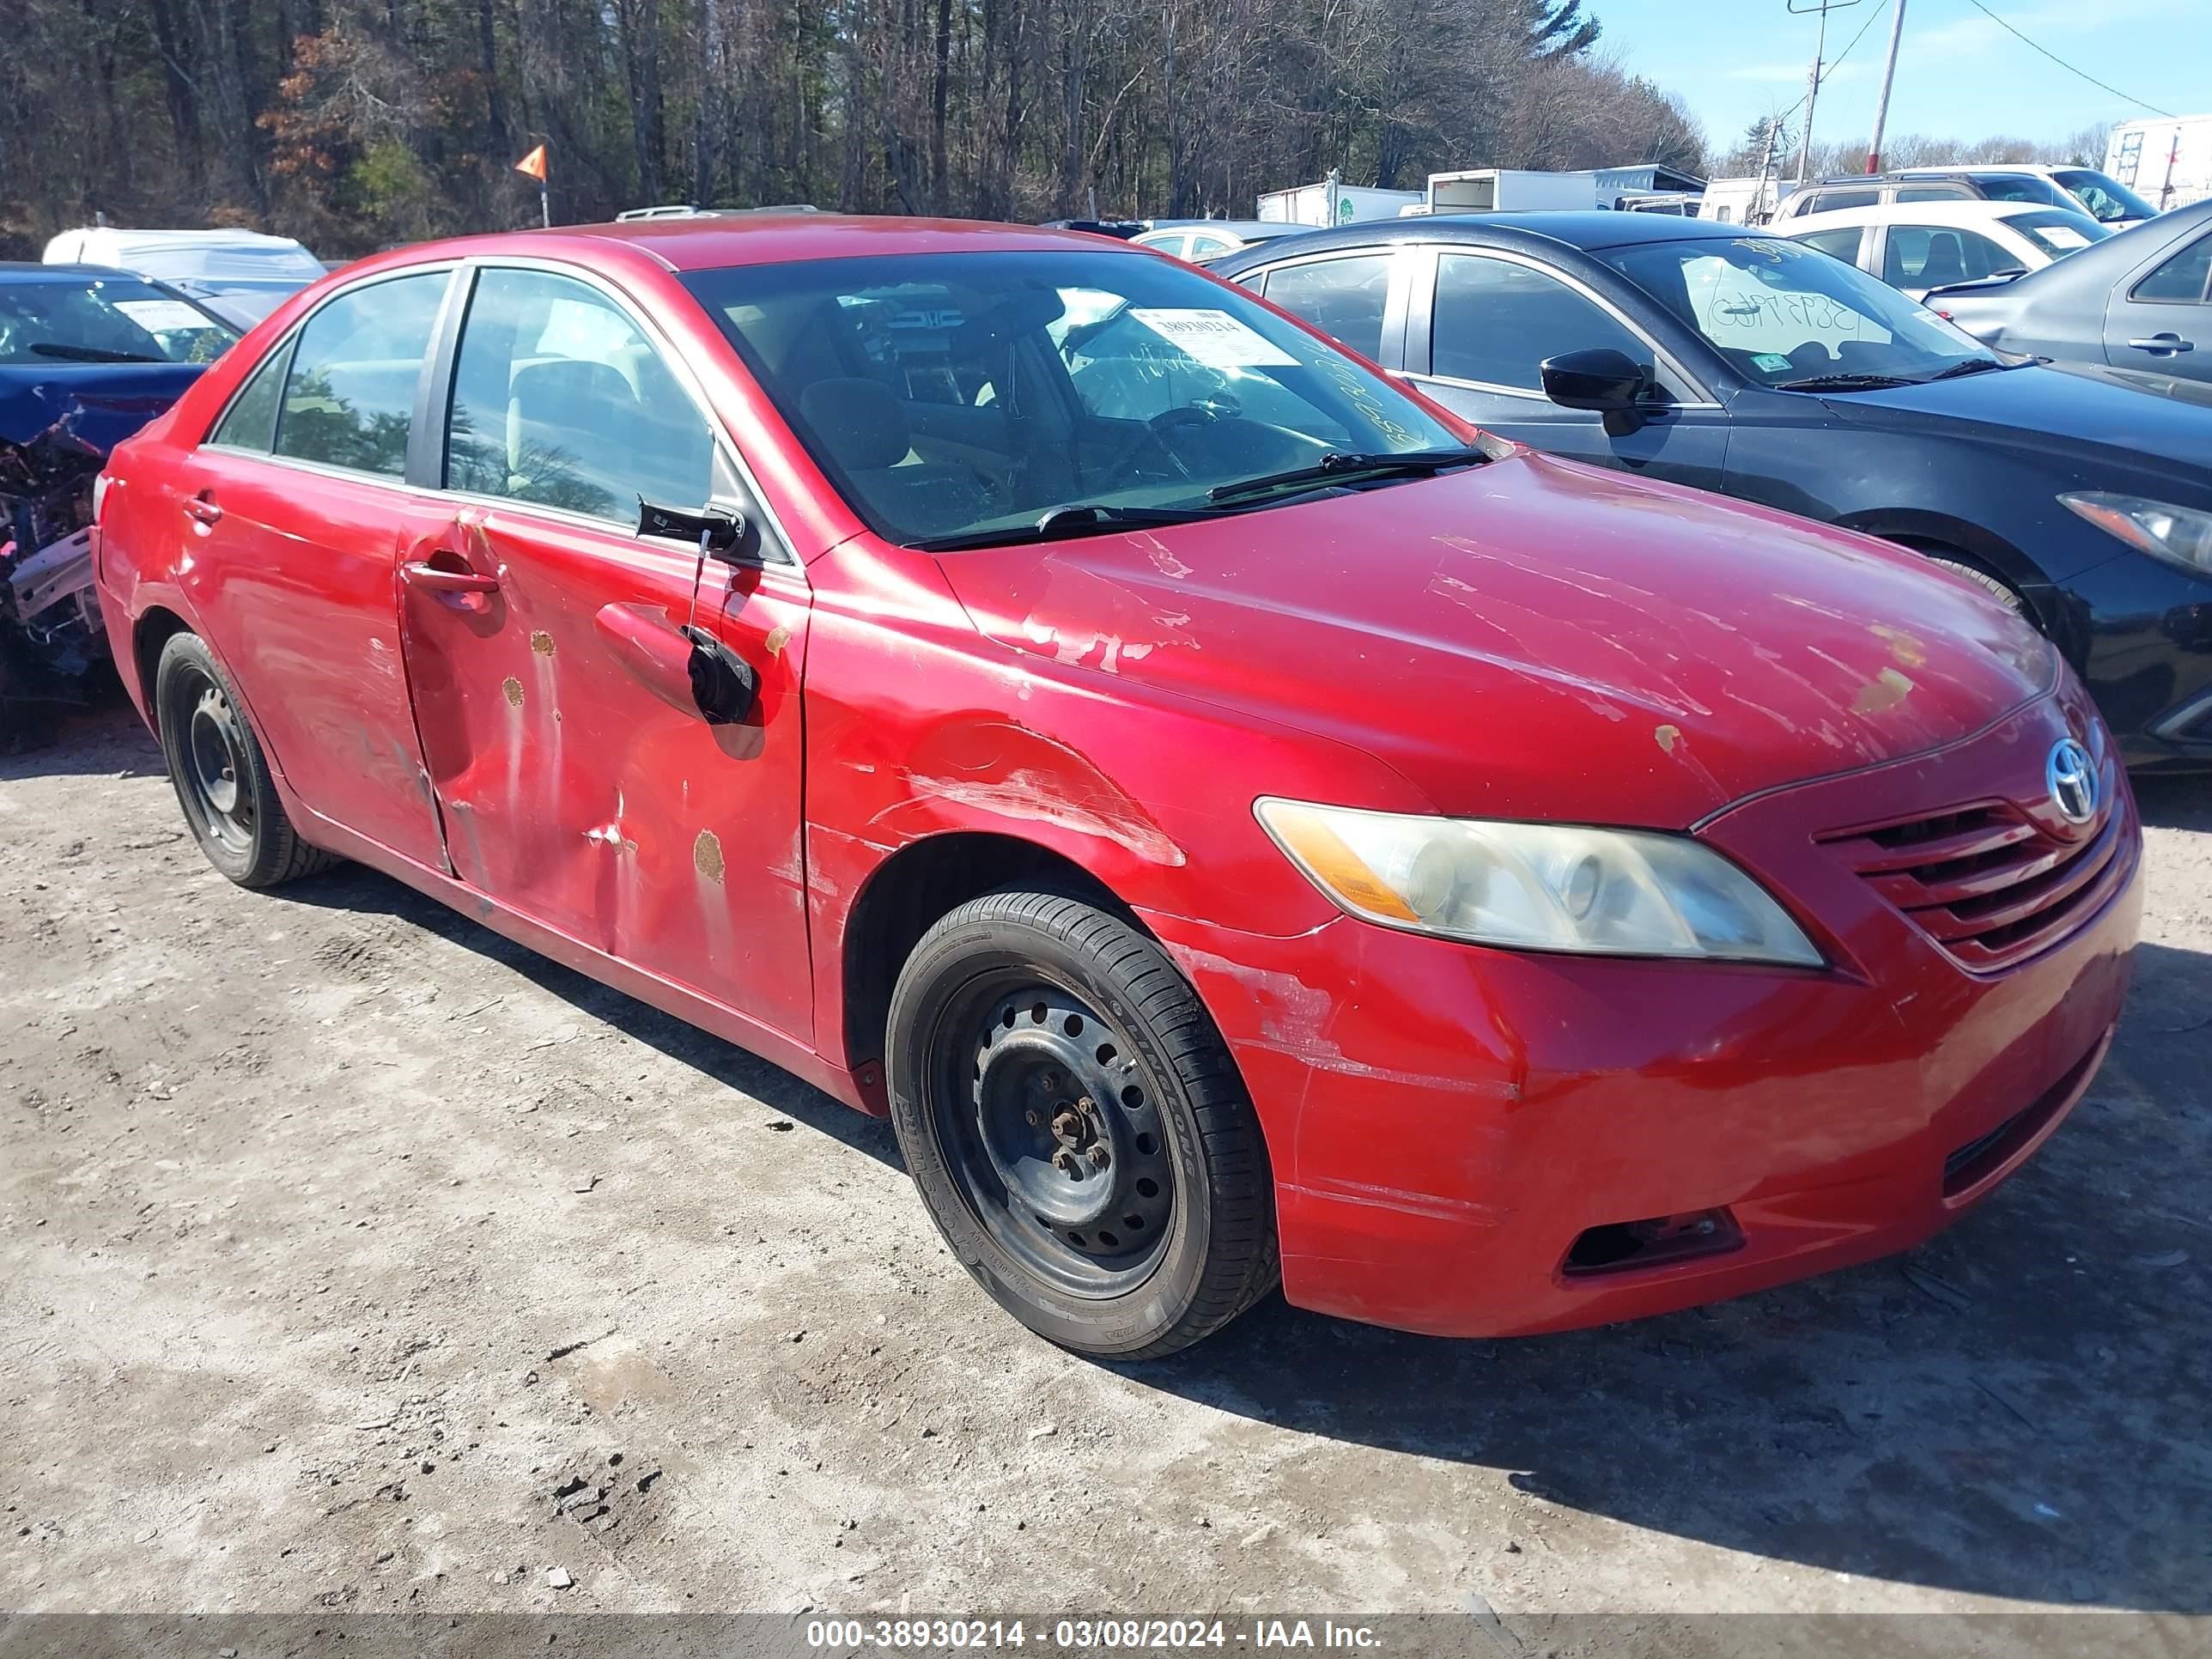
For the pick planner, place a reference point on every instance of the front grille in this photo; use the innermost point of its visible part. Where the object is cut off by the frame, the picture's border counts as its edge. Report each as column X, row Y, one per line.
column 1988, row 883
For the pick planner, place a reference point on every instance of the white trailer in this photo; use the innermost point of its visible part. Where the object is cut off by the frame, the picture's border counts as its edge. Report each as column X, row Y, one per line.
column 1509, row 190
column 1333, row 203
column 2167, row 161
column 1743, row 201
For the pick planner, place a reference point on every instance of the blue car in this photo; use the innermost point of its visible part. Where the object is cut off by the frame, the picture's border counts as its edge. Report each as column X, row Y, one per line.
column 87, row 356
column 1768, row 370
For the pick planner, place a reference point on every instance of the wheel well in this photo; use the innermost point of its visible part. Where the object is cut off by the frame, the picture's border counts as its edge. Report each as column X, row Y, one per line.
column 155, row 629
column 908, row 893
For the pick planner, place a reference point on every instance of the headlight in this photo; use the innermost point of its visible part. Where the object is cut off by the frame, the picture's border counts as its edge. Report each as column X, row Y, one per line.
column 1537, row 886
column 2179, row 535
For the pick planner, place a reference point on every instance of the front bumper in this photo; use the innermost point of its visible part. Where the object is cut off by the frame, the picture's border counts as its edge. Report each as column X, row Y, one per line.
column 1446, row 1122
column 2145, row 634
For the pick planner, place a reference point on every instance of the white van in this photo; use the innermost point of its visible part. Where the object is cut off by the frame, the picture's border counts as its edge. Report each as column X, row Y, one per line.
column 241, row 275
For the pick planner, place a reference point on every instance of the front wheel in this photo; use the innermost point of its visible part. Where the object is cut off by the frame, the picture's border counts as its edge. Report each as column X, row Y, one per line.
column 1077, row 1127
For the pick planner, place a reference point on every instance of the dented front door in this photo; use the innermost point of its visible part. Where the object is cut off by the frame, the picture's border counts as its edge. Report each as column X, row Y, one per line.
column 577, row 785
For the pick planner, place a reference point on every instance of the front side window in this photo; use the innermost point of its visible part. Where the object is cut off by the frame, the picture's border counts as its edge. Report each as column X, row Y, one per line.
column 559, row 400
column 1345, row 299
column 1931, row 256
column 1906, row 193
column 2182, row 277
column 70, row 319
column 1781, row 312
column 1495, row 323
column 2019, row 188
column 969, row 395
column 349, row 395
column 1831, row 201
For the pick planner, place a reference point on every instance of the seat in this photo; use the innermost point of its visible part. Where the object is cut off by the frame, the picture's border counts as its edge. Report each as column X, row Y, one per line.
column 862, row 427
column 1946, row 261
column 859, row 421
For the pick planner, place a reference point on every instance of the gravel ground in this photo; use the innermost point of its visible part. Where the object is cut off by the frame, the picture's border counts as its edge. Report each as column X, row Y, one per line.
column 351, row 1258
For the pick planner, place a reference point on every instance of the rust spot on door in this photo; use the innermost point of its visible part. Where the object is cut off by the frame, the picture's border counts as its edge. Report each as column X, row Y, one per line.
column 542, row 643
column 514, row 690
column 778, row 637
column 707, row 855
column 1668, row 737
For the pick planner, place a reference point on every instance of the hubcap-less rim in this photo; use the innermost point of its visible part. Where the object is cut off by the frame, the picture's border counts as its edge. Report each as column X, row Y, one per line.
column 215, row 769
column 1051, row 1130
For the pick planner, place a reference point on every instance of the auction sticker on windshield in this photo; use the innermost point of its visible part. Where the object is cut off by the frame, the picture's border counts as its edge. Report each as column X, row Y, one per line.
column 1214, row 338
column 158, row 316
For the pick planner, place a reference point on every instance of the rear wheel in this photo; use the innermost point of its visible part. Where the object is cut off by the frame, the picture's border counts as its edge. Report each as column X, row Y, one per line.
column 220, row 774
column 1077, row 1128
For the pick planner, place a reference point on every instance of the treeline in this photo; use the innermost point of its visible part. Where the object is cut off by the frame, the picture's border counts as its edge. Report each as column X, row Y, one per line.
column 354, row 124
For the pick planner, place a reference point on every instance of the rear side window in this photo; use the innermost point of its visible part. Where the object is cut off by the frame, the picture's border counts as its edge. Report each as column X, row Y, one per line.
column 1934, row 194
column 1345, row 299
column 1929, row 256
column 1844, row 243
column 1828, row 201
column 1495, row 323
column 349, row 396
column 2181, row 278
column 559, row 400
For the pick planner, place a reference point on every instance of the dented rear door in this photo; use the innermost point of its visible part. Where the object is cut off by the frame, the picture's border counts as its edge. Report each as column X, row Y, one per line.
column 577, row 784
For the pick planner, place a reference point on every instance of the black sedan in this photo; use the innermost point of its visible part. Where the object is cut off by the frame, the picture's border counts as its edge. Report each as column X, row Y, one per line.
column 2142, row 300
column 1768, row 370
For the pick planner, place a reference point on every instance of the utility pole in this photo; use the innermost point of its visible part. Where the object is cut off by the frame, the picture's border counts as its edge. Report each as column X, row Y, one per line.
column 1813, row 85
column 1881, row 103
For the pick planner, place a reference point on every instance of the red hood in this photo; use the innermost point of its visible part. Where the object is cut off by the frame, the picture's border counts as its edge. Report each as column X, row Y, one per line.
column 1535, row 639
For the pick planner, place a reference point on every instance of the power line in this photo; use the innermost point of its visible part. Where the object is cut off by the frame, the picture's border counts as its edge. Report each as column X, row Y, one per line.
column 2062, row 64
column 1835, row 63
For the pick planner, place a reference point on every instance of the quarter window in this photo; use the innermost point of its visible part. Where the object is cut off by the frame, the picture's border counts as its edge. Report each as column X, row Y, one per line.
column 1495, row 323
column 1344, row 299
column 560, row 400
column 2182, row 277
column 349, row 395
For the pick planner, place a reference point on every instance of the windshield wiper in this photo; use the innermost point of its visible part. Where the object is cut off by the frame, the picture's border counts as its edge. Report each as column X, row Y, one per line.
column 1339, row 463
column 77, row 354
column 1970, row 366
column 1846, row 383
column 1060, row 523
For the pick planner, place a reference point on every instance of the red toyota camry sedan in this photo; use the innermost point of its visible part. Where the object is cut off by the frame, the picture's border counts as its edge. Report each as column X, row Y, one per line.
column 1239, row 822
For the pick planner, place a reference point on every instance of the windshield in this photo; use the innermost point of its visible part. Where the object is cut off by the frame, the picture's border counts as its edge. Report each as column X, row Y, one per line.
column 2057, row 231
column 947, row 395
column 2106, row 197
column 104, row 319
column 1781, row 312
column 243, row 301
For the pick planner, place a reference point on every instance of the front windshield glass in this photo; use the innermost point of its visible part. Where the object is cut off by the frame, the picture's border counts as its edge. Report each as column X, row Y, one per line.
column 2106, row 197
column 2058, row 232
column 1781, row 312
column 104, row 319
column 953, row 394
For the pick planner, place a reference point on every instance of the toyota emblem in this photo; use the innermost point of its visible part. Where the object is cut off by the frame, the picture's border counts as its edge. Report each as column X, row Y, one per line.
column 2072, row 777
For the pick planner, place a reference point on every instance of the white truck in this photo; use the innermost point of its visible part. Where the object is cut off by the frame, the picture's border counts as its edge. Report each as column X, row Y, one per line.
column 1508, row 189
column 1332, row 203
column 2167, row 161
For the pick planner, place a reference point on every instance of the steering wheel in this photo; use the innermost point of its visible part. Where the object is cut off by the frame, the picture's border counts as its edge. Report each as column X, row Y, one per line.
column 1155, row 436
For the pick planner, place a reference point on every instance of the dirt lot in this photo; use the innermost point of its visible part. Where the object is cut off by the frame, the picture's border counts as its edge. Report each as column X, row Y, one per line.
column 351, row 1258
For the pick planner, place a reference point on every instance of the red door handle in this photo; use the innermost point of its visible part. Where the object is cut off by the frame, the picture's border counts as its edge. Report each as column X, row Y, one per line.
column 201, row 509
column 436, row 579
column 647, row 643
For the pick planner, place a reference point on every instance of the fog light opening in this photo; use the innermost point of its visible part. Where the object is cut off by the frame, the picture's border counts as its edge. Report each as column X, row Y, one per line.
column 1618, row 1246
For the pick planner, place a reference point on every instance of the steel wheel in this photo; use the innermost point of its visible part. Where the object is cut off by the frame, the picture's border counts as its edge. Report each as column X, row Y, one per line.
column 1054, row 1136
column 214, row 796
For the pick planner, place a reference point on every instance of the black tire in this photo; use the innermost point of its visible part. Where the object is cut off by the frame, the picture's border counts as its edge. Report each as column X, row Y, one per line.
column 1996, row 587
column 1164, row 1228
column 221, row 779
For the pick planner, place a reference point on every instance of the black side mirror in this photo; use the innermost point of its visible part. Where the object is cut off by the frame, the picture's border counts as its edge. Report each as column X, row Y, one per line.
column 1600, row 379
column 718, row 530
column 723, row 683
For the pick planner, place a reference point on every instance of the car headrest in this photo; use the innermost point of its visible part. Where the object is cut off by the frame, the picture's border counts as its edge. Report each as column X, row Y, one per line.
column 859, row 421
column 552, row 392
column 1946, row 261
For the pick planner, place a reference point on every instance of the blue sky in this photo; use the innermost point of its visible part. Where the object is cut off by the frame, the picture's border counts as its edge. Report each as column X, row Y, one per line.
column 1959, row 75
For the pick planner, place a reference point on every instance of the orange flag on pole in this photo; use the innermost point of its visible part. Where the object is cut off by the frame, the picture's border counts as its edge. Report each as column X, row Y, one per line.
column 533, row 164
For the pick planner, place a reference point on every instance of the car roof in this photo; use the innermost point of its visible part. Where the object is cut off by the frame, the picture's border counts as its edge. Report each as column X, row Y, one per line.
column 704, row 243
column 1959, row 212
column 1602, row 228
